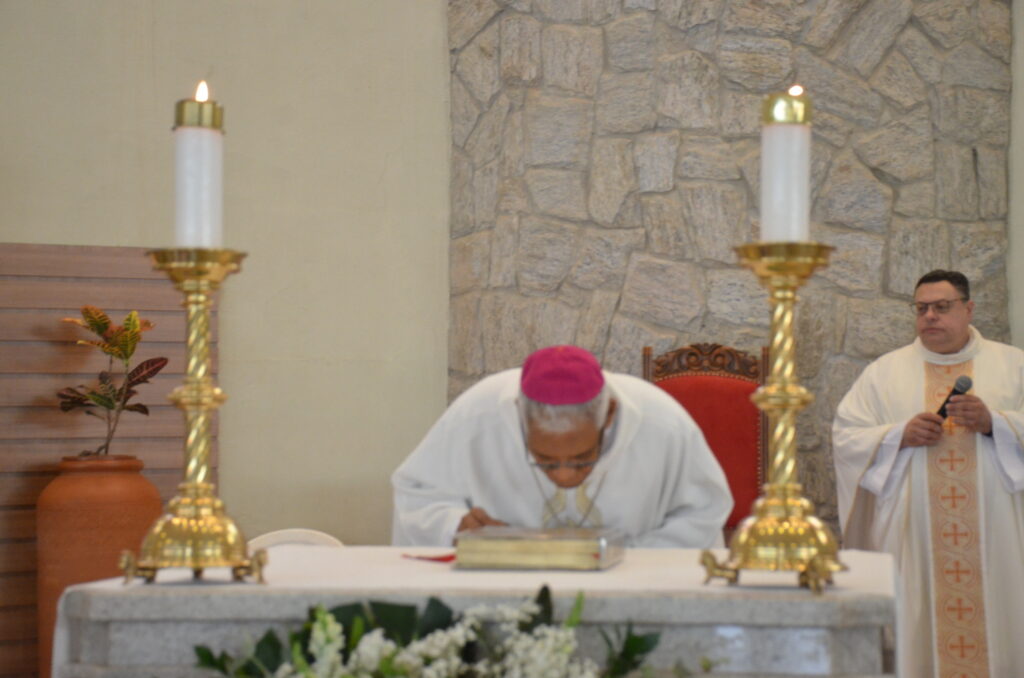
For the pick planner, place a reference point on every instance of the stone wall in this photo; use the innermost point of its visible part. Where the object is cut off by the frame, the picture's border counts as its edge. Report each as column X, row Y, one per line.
column 605, row 159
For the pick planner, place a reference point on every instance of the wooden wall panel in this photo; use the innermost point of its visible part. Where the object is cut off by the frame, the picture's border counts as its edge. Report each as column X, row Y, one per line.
column 40, row 285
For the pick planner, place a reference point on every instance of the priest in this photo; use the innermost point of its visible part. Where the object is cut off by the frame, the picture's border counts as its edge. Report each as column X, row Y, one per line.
column 561, row 443
column 940, row 487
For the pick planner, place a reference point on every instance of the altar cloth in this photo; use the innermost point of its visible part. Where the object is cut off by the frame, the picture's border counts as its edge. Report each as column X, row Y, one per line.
column 101, row 625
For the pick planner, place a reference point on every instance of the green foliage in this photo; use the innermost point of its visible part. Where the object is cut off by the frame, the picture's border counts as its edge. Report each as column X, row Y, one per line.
column 627, row 651
column 106, row 397
column 545, row 614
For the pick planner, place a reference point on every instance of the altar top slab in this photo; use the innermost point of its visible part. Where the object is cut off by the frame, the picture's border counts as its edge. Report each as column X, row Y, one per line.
column 658, row 586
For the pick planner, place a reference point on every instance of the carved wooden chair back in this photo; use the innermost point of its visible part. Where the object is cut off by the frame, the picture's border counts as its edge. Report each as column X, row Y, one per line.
column 714, row 384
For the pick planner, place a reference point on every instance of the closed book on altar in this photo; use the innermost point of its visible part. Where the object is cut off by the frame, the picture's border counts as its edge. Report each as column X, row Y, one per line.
column 519, row 548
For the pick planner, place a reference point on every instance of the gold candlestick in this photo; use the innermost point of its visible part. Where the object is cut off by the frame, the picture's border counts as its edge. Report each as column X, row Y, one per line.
column 195, row 532
column 783, row 533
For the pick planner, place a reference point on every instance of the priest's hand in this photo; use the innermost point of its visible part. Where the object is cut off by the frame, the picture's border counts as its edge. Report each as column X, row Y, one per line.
column 923, row 429
column 477, row 517
column 970, row 412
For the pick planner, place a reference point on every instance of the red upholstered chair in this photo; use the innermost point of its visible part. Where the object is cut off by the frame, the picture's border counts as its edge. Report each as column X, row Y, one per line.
column 714, row 384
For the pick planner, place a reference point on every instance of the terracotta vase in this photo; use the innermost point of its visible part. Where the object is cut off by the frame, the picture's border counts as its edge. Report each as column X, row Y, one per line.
column 93, row 510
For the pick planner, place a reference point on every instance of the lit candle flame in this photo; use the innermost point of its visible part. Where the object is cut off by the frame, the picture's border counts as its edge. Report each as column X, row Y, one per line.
column 202, row 91
column 796, row 90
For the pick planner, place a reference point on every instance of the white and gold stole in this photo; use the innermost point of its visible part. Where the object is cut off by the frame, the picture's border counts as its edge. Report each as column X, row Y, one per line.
column 958, row 601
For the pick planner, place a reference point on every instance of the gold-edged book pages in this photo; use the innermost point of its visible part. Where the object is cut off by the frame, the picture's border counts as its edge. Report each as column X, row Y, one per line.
column 519, row 548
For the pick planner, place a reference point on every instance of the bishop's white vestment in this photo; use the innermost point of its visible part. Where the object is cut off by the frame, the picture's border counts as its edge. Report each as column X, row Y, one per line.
column 656, row 479
column 893, row 500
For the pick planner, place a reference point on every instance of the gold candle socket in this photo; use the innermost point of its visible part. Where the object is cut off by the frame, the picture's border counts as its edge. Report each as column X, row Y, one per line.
column 195, row 532
column 783, row 533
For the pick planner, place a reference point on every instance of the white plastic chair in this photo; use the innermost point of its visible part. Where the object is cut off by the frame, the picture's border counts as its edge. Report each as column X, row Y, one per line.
column 292, row 535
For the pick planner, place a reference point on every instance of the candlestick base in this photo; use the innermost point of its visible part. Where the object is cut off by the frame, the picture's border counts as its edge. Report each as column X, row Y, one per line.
column 783, row 533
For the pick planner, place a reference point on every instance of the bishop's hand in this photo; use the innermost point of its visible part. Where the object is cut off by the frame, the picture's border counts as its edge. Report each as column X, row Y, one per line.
column 477, row 517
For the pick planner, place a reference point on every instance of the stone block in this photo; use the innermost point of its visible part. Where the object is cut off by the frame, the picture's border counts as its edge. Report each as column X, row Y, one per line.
column 735, row 295
column 755, row 63
column 842, row 371
column 836, row 91
column 484, row 142
column 828, row 19
column 654, row 156
column 504, row 243
column 640, row 4
column 666, row 293
column 626, row 339
column 547, row 248
column 971, row 115
column 461, row 194
column 994, row 28
column 469, row 261
column 716, row 214
column 465, row 345
column 956, row 183
column 896, row 80
column 611, row 177
column 560, row 193
column 707, row 157
column 856, row 264
column 991, row 298
column 513, row 142
column 666, row 231
column 512, row 196
column 688, row 90
column 485, row 195
column 877, row 326
column 979, row 250
column 592, row 334
column 901, row 148
column 921, row 53
column 916, row 200
column 520, row 48
column 714, row 329
column 465, row 112
column 572, row 58
column 571, row 11
column 970, row 66
column 466, row 18
column 852, row 196
column 948, row 22
column 630, row 42
column 477, row 64
column 916, row 246
column 865, row 40
column 687, row 14
column 741, row 113
column 603, row 257
column 992, row 201
column 557, row 129
column 513, row 327
column 773, row 18
column 819, row 327
column 831, row 128
column 599, row 12
column 625, row 103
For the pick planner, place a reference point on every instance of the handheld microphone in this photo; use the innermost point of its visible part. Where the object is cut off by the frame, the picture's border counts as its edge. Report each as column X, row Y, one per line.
column 963, row 385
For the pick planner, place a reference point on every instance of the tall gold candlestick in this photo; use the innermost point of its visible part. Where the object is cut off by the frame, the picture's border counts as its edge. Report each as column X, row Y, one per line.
column 783, row 533
column 195, row 532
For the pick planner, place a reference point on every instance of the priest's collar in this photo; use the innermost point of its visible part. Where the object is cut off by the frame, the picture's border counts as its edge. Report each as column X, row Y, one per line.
column 968, row 352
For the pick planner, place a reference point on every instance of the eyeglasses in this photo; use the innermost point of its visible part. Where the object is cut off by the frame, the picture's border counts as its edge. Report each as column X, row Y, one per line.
column 548, row 466
column 941, row 306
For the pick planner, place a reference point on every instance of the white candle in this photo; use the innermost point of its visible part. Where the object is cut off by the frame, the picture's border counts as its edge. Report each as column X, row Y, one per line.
column 199, row 171
column 786, row 167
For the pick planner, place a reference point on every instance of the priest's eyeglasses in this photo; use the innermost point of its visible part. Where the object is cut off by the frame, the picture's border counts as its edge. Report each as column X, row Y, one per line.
column 941, row 306
column 549, row 466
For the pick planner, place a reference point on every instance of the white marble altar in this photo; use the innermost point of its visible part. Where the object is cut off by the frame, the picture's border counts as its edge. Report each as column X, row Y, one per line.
column 766, row 626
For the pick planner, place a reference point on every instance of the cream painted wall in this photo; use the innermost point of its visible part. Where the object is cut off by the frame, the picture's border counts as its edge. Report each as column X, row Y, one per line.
column 1015, row 228
column 333, row 338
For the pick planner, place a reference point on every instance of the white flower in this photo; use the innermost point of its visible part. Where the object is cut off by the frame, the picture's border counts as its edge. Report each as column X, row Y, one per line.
column 373, row 647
